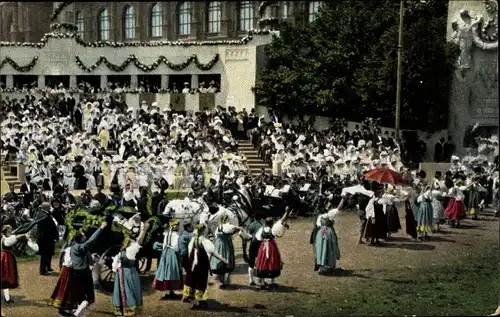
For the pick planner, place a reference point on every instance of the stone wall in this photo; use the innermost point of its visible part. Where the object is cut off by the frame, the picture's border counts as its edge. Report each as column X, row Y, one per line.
column 474, row 94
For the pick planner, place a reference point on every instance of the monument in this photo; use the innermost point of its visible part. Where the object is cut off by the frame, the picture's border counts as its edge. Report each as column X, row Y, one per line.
column 473, row 26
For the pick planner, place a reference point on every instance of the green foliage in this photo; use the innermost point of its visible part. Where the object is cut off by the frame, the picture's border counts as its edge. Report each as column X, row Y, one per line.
column 344, row 64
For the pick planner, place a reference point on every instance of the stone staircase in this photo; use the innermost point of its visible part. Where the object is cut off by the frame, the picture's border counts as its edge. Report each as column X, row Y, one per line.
column 254, row 162
column 9, row 173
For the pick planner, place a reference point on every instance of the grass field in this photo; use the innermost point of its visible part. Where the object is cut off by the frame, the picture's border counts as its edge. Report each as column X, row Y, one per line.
column 455, row 273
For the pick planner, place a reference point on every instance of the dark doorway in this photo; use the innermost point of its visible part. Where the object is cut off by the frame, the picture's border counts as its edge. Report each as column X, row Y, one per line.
column 115, row 81
column 207, row 79
column 27, row 81
column 3, row 81
column 88, row 81
column 178, row 82
column 150, row 83
column 56, row 81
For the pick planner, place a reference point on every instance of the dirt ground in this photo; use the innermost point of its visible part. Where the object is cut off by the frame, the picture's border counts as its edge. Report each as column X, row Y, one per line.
column 380, row 280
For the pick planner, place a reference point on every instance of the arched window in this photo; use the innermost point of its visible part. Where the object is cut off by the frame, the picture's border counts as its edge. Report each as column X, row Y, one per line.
column 104, row 25
column 129, row 23
column 214, row 16
column 156, row 20
column 80, row 24
column 245, row 16
column 185, row 18
column 313, row 9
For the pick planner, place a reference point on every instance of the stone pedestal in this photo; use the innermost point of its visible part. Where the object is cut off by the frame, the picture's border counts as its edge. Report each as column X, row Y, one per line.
column 134, row 81
column 41, row 81
column 194, row 81
column 9, row 81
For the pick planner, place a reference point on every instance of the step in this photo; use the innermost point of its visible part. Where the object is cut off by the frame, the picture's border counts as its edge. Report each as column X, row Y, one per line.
column 254, row 161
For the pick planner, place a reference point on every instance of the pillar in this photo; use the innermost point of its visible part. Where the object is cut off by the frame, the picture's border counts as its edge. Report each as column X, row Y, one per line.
column 194, row 81
column 104, row 81
column 134, row 81
column 41, row 81
column 164, row 81
column 9, row 81
column 72, row 81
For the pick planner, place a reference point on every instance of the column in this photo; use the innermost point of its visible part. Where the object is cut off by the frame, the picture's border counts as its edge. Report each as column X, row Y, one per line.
column 134, row 81
column 9, row 81
column 72, row 81
column 164, row 81
column 194, row 81
column 104, row 81
column 41, row 81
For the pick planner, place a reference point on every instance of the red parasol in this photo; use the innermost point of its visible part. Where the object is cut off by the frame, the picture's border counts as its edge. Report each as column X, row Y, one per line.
column 384, row 176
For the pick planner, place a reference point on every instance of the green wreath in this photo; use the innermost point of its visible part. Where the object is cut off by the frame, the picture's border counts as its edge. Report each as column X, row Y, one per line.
column 145, row 67
column 23, row 69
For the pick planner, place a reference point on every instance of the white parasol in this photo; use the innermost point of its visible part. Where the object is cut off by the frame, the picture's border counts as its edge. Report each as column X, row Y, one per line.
column 358, row 189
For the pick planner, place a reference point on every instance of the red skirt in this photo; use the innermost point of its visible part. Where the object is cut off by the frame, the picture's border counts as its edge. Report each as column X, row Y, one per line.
column 63, row 297
column 455, row 209
column 10, row 277
column 268, row 262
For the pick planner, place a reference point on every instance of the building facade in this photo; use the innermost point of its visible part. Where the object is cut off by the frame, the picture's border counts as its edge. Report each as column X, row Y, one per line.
column 169, row 43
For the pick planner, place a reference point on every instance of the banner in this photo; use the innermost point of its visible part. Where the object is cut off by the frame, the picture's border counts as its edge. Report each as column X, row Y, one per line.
column 206, row 101
column 148, row 97
column 178, row 101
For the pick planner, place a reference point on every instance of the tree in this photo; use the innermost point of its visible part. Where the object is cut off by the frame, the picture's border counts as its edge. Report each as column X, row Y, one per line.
column 345, row 64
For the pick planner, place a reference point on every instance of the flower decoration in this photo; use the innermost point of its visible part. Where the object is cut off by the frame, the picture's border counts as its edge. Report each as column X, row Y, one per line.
column 59, row 9
column 132, row 59
column 58, row 27
column 17, row 67
column 243, row 41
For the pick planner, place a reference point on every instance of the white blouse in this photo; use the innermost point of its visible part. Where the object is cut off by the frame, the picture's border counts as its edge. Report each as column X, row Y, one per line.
column 9, row 241
column 130, row 253
column 171, row 240
column 277, row 230
column 207, row 245
column 67, row 258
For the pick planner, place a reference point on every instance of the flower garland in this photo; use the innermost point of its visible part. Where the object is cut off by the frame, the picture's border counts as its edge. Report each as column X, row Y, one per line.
column 59, row 9
column 243, row 41
column 22, row 69
column 147, row 68
column 57, row 27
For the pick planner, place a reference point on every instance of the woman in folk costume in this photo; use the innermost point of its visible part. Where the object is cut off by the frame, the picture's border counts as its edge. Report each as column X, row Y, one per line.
column 106, row 172
column 62, row 297
column 207, row 171
column 142, row 176
column 179, row 174
column 129, row 198
column 196, row 281
column 32, row 154
column 268, row 264
column 131, row 174
column 411, row 207
column 224, row 246
column 389, row 201
column 455, row 211
column 168, row 277
column 438, row 213
column 325, row 243
column 104, row 135
column 376, row 224
column 87, row 116
column 10, row 277
column 127, row 292
column 82, row 285
column 425, row 213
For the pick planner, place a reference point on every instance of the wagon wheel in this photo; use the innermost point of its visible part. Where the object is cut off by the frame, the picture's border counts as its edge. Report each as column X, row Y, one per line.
column 106, row 274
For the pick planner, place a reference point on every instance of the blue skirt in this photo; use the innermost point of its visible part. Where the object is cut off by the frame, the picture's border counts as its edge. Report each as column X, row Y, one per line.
column 223, row 246
column 424, row 217
column 127, row 292
column 326, row 249
column 169, row 272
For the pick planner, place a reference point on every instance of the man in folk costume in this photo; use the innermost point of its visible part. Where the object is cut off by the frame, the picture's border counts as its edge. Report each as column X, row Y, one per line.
column 325, row 243
column 196, row 281
column 179, row 175
column 224, row 246
column 82, row 284
column 268, row 264
column 376, row 225
column 168, row 277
